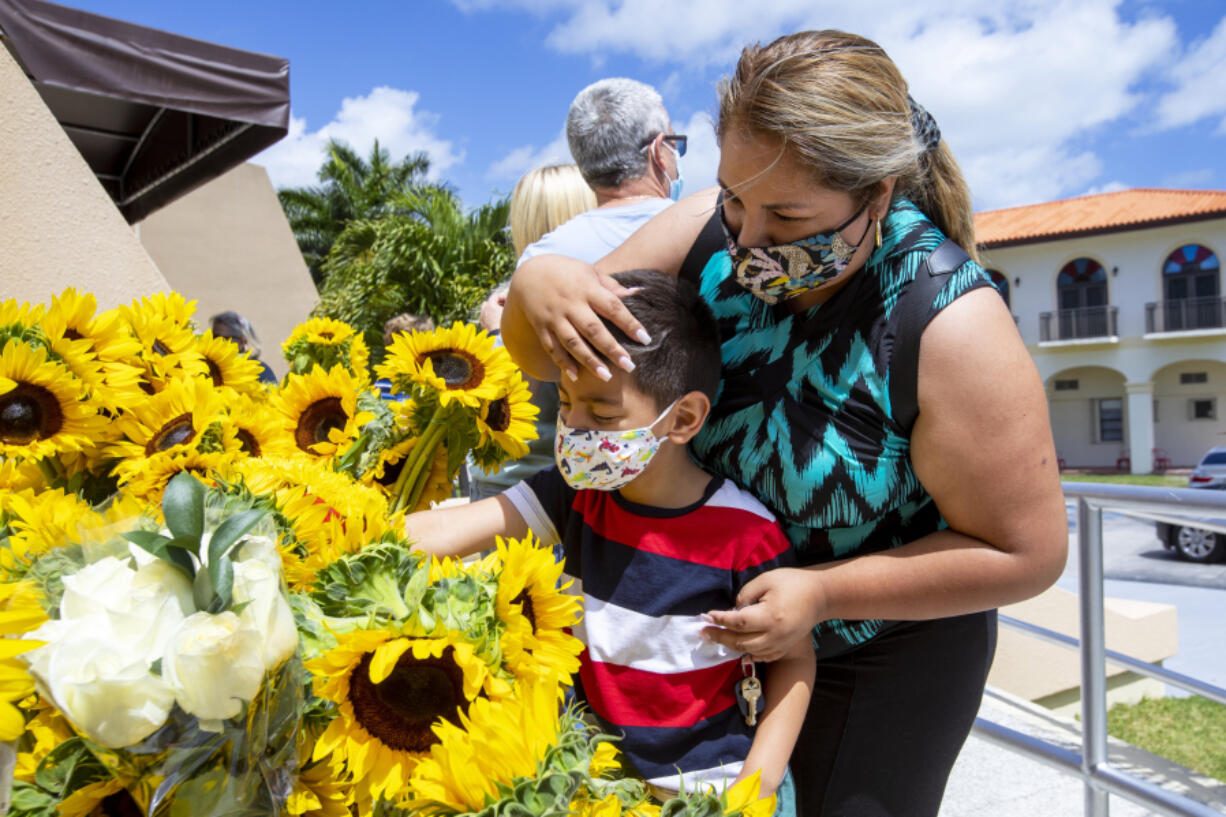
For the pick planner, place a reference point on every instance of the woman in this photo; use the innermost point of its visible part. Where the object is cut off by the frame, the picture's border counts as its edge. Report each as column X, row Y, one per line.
column 543, row 200
column 917, row 481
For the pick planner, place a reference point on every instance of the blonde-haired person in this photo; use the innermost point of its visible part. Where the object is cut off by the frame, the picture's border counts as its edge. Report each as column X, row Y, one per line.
column 544, row 200
column 875, row 396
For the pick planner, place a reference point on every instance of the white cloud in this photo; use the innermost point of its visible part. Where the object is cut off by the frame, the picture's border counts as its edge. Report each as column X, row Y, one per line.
column 1200, row 84
column 527, row 158
column 701, row 161
column 1109, row 187
column 1019, row 87
column 387, row 114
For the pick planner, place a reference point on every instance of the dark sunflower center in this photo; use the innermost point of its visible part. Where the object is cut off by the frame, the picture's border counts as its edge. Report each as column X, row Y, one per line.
column 28, row 413
column 215, row 373
column 459, row 370
column 73, row 334
column 326, row 335
column 391, row 473
column 524, row 599
column 120, row 804
column 319, row 418
column 178, row 431
column 248, row 443
column 498, row 417
column 399, row 710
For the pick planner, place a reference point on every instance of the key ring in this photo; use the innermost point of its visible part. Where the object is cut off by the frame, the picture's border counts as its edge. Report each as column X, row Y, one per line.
column 748, row 668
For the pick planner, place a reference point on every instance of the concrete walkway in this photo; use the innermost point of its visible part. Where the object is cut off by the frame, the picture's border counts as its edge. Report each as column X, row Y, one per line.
column 990, row 781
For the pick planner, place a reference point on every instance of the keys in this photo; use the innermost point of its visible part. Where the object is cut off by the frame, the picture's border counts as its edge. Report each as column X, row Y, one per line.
column 749, row 692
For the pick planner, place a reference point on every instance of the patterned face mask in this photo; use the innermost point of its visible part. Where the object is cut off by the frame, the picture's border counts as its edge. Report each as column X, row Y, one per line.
column 605, row 460
column 787, row 270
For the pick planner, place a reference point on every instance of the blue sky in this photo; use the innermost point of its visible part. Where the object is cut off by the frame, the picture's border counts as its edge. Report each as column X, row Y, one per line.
column 1039, row 99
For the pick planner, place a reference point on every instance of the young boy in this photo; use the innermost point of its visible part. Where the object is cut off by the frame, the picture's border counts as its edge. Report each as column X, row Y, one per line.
column 652, row 542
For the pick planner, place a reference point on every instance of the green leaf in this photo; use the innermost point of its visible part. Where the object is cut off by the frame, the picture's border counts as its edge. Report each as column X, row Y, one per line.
column 160, row 547
column 202, row 590
column 231, row 530
column 223, row 584
column 183, row 506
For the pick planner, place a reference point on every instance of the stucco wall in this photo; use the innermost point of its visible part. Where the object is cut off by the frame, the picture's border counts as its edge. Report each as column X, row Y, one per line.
column 1133, row 261
column 59, row 226
column 228, row 245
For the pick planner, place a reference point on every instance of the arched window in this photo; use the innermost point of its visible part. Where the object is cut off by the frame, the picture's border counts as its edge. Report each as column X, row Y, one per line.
column 1190, row 284
column 1001, row 283
column 1081, row 291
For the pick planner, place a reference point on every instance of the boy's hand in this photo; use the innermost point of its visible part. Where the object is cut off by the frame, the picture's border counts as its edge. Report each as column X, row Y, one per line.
column 774, row 611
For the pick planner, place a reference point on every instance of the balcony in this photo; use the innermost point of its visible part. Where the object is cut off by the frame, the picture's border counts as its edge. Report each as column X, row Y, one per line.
column 1185, row 315
column 1078, row 324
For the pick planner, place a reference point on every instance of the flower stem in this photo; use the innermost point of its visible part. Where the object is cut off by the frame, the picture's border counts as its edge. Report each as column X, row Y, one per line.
column 421, row 467
column 411, row 466
column 46, row 468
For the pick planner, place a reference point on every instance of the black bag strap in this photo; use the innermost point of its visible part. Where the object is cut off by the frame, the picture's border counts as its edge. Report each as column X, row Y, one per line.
column 709, row 242
column 912, row 315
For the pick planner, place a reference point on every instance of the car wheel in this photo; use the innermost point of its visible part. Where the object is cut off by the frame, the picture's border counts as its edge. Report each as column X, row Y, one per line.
column 1198, row 545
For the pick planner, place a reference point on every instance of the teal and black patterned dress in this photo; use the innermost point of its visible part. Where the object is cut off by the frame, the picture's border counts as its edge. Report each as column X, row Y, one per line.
column 807, row 418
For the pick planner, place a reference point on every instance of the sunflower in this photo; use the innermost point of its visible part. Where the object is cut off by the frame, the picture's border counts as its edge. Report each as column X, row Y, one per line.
column 41, row 414
column 22, row 612
column 461, row 364
column 317, row 792
column 147, row 477
column 118, row 796
column 509, row 421
column 258, row 428
column 320, row 410
column 388, row 689
column 174, row 420
column 494, row 745
column 743, row 798
column 227, row 365
column 47, row 729
column 387, row 465
column 41, row 522
column 528, row 592
column 326, row 342
column 438, row 481
column 162, row 325
column 19, row 475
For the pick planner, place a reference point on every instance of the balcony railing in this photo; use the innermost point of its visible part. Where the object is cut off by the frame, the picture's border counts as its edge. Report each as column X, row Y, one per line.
column 1071, row 324
column 1185, row 314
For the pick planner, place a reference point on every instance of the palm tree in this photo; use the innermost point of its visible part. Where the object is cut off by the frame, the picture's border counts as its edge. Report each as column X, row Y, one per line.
column 424, row 255
column 350, row 188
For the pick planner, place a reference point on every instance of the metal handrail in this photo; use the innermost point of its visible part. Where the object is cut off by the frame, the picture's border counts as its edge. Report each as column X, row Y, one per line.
column 1098, row 776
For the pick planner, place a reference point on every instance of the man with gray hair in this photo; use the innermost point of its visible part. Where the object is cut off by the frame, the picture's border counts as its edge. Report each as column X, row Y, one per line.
column 621, row 139
column 624, row 145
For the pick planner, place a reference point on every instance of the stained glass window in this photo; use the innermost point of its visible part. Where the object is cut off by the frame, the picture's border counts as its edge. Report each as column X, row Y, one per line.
column 1191, row 258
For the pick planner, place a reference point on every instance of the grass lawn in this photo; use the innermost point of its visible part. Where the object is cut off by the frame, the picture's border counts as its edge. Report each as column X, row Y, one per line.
column 1161, row 480
column 1189, row 731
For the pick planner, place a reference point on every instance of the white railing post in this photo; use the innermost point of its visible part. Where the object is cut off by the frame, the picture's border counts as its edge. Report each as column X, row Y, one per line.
column 1093, row 653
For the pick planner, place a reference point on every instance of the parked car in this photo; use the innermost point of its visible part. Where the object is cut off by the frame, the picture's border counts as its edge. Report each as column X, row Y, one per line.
column 1188, row 541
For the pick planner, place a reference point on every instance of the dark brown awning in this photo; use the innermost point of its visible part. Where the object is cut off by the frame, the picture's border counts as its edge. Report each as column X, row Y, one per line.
column 154, row 114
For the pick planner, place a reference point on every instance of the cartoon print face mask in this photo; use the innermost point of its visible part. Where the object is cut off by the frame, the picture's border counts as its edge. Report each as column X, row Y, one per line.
column 787, row 270
column 605, row 460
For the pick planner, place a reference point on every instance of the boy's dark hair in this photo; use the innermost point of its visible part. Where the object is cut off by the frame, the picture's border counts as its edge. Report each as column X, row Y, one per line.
column 684, row 353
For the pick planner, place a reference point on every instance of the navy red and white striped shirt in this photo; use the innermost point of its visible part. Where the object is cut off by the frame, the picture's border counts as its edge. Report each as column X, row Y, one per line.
column 646, row 574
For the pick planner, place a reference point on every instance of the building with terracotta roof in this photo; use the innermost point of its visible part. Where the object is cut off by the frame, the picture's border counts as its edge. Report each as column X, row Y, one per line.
column 1118, row 296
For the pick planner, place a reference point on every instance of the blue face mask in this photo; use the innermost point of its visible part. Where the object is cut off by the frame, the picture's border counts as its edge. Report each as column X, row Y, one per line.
column 675, row 185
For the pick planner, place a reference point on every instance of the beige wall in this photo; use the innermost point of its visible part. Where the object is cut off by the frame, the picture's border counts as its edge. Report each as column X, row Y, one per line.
column 58, row 226
column 227, row 245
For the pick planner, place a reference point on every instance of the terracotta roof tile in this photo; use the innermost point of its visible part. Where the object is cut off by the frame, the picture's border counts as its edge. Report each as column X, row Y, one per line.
column 1103, row 212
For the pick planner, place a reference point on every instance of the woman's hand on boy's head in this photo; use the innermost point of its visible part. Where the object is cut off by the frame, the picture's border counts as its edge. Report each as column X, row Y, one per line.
column 773, row 612
column 562, row 299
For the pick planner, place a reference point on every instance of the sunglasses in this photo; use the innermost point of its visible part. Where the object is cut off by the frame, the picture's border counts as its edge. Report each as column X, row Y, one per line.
column 678, row 140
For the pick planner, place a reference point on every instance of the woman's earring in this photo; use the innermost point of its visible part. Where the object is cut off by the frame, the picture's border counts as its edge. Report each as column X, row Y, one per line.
column 878, row 233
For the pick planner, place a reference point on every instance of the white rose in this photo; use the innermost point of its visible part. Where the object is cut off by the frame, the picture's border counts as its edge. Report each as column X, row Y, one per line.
column 213, row 664
column 104, row 688
column 267, row 612
column 140, row 608
column 262, row 548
